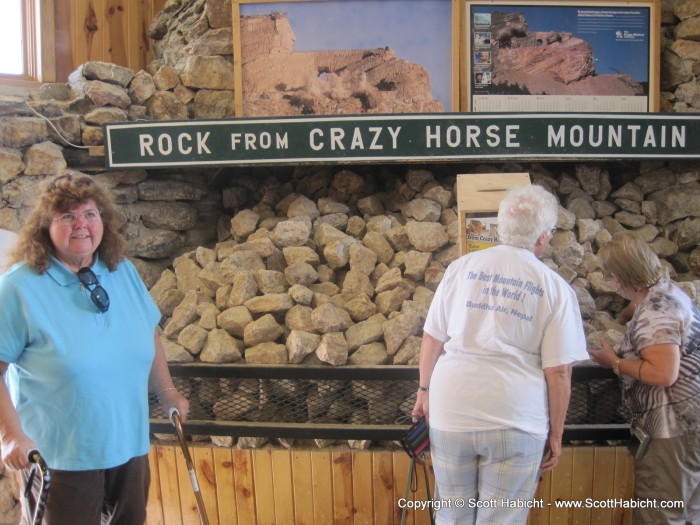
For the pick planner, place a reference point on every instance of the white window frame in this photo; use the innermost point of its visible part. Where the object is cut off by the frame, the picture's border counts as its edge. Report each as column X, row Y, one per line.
column 38, row 54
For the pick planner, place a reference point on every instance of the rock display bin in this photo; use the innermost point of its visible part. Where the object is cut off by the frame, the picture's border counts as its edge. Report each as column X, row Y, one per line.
column 339, row 268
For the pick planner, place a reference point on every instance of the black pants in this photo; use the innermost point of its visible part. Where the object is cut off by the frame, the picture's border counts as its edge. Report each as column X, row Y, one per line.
column 86, row 497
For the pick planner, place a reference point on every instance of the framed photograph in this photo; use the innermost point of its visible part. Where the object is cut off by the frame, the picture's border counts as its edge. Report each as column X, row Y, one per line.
column 316, row 57
column 569, row 56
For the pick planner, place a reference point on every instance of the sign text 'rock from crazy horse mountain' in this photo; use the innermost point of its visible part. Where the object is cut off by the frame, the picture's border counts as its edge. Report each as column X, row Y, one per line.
column 444, row 137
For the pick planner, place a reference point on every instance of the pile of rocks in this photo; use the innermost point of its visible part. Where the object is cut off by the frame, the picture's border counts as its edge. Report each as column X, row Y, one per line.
column 347, row 278
column 311, row 281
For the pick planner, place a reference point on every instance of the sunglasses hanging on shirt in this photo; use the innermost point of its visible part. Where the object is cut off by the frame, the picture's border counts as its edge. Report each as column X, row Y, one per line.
column 98, row 294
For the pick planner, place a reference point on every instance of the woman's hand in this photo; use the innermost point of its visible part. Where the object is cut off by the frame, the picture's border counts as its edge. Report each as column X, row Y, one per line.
column 15, row 452
column 170, row 398
column 159, row 381
column 606, row 356
column 421, row 407
column 15, row 444
column 552, row 453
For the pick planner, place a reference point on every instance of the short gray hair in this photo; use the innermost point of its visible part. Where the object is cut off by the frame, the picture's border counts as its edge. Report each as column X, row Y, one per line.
column 525, row 213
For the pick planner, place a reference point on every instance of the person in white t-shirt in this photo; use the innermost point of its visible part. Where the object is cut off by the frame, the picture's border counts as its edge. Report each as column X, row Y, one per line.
column 499, row 341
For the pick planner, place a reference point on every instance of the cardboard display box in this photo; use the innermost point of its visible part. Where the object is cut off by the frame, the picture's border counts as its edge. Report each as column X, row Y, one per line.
column 478, row 198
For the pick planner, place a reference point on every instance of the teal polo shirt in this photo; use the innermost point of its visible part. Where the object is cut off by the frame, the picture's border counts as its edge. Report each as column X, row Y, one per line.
column 79, row 377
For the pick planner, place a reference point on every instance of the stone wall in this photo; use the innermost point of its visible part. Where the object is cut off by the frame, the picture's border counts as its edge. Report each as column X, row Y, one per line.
column 324, row 265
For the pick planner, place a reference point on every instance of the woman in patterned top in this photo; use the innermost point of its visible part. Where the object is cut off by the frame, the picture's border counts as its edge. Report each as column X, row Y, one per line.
column 659, row 366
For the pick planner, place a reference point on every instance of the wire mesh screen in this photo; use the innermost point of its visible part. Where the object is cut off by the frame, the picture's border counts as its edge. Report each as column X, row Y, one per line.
column 595, row 401
column 347, row 402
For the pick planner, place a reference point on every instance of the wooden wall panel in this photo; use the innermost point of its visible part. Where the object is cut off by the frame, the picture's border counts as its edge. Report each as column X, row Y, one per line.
column 154, row 509
column 188, row 503
column 64, row 27
column 203, row 459
column 540, row 514
column 561, row 486
column 582, row 482
column 383, row 486
column 303, row 487
column 264, row 491
column 323, row 486
column 342, row 487
column 88, row 34
column 225, row 487
column 400, row 462
column 604, row 486
column 362, row 489
column 624, row 483
column 169, row 489
column 113, row 31
column 118, row 33
column 357, row 487
column 245, row 488
column 283, row 483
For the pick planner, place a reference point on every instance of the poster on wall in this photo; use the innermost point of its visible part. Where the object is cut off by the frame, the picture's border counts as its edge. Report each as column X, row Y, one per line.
column 572, row 56
column 481, row 230
column 325, row 57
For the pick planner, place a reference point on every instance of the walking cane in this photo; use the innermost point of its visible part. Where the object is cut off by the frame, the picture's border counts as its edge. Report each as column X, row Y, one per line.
column 177, row 423
column 38, row 464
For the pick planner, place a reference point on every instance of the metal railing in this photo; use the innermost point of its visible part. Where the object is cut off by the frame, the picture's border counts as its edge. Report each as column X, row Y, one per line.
column 348, row 402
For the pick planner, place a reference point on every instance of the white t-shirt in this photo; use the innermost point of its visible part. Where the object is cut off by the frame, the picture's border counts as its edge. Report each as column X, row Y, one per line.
column 504, row 316
column 7, row 239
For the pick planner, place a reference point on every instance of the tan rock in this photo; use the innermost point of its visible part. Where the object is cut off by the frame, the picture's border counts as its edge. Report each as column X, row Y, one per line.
column 193, row 338
column 300, row 344
column 329, row 318
column 333, row 349
column 267, row 354
column 262, row 330
column 234, row 320
column 272, row 303
column 221, row 348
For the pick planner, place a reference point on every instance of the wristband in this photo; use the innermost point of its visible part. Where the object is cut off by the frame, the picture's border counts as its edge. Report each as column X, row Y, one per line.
column 165, row 390
column 423, row 388
column 616, row 366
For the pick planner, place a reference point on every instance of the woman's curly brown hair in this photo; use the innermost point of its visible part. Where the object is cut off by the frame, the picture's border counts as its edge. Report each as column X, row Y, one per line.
column 60, row 195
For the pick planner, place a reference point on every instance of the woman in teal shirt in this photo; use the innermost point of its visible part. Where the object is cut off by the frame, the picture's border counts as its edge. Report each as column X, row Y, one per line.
column 80, row 350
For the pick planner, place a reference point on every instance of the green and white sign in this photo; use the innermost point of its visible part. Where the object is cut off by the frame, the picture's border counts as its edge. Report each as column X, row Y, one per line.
column 428, row 137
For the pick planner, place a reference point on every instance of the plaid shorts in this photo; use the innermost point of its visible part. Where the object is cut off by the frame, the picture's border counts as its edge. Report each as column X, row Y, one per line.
column 483, row 476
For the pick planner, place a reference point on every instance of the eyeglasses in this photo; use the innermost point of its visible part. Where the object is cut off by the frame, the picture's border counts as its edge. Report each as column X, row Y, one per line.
column 98, row 295
column 87, row 216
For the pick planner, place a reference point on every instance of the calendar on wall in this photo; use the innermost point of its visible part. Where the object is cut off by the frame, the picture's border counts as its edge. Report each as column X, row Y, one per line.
column 559, row 103
column 572, row 56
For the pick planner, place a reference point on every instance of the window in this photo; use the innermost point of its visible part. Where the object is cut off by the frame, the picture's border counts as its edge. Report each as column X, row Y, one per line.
column 26, row 34
column 12, row 61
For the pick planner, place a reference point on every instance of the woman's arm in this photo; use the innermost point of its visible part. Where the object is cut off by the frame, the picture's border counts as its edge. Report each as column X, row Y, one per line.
column 659, row 365
column 14, row 442
column 161, row 384
column 430, row 350
column 558, row 380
